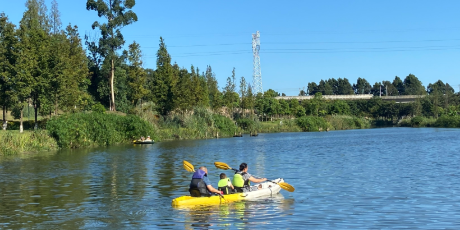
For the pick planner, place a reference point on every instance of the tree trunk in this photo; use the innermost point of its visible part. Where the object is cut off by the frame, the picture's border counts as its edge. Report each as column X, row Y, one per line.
column 36, row 115
column 111, row 87
column 5, row 123
column 21, row 128
column 56, row 106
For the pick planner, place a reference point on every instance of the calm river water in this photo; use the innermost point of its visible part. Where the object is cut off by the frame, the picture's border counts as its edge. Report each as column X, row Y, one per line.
column 357, row 179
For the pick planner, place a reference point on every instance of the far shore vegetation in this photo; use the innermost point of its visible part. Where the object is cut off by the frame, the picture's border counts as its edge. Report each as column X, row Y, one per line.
column 59, row 91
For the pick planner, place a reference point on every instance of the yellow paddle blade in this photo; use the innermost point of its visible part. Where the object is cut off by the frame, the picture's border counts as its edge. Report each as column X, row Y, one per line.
column 222, row 165
column 188, row 166
column 286, row 186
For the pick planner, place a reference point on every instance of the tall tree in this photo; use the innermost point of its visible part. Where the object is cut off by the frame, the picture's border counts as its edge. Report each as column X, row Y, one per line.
column 137, row 77
column 399, row 85
column 250, row 99
column 413, row 86
column 34, row 54
column 344, row 87
column 8, row 56
column 334, row 84
column 118, row 14
column 312, row 89
column 215, row 96
column 163, row 80
column 362, row 86
column 390, row 89
column 231, row 97
column 324, row 88
column 243, row 92
column 55, row 18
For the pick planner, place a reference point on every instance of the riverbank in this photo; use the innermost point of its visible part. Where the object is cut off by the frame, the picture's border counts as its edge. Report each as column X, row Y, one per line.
column 12, row 142
column 82, row 130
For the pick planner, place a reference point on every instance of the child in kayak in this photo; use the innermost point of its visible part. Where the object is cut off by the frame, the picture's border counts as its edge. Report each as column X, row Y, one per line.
column 225, row 185
column 242, row 180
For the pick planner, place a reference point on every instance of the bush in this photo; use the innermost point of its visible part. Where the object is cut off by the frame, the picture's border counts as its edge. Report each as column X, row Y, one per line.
column 311, row 123
column 247, row 124
column 416, row 121
column 448, row 122
column 83, row 129
column 98, row 108
column 225, row 125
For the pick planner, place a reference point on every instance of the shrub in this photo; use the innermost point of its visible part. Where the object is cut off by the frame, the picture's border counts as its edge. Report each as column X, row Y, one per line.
column 448, row 122
column 98, row 108
column 416, row 121
column 224, row 124
column 83, row 129
column 311, row 123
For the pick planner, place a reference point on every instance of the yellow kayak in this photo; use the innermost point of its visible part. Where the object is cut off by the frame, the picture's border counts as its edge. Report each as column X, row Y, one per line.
column 143, row 142
column 191, row 201
column 267, row 189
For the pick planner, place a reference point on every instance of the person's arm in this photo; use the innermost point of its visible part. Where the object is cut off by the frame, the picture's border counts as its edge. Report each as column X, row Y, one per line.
column 230, row 184
column 213, row 190
column 254, row 180
column 209, row 186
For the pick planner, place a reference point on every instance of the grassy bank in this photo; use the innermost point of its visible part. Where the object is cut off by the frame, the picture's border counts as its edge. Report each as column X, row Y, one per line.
column 97, row 129
column 13, row 142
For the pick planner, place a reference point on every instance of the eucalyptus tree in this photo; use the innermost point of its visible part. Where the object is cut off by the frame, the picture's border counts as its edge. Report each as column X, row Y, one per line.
column 8, row 55
column 118, row 14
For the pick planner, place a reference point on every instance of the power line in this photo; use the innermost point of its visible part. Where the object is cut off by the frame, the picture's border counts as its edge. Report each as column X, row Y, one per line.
column 319, row 51
column 319, row 42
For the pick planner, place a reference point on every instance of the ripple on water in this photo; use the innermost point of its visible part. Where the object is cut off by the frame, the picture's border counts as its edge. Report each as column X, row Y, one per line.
column 356, row 179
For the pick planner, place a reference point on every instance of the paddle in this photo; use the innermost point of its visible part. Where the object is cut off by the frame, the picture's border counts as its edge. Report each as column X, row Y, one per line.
column 189, row 167
column 283, row 185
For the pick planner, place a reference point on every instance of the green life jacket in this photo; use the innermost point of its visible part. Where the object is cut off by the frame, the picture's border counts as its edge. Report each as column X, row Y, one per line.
column 238, row 181
column 223, row 185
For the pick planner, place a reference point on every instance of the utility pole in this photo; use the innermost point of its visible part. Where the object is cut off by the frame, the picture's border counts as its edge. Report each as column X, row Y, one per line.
column 257, row 73
column 386, row 90
column 380, row 91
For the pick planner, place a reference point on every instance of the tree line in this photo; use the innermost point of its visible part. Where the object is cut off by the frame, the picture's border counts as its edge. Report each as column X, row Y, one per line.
column 45, row 65
column 410, row 86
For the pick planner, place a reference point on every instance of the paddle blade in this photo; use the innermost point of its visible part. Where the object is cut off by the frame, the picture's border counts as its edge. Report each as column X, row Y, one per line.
column 286, row 186
column 222, row 165
column 188, row 166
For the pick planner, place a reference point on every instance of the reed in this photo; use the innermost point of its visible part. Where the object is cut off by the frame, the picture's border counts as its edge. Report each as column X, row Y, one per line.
column 93, row 129
column 344, row 122
column 13, row 142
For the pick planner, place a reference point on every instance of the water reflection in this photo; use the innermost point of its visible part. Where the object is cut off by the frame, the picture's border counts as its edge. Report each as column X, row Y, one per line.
column 383, row 178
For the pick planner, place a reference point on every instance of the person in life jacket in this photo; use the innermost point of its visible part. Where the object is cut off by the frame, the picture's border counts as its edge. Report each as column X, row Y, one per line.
column 242, row 180
column 224, row 184
column 200, row 184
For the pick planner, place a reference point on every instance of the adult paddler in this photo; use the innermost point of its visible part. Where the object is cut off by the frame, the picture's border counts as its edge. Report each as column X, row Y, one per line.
column 242, row 180
column 200, row 184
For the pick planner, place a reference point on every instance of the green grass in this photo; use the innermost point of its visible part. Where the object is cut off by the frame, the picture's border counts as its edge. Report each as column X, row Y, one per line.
column 13, row 142
column 97, row 129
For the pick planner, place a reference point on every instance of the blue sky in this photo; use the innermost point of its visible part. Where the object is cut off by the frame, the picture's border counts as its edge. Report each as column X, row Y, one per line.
column 301, row 41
